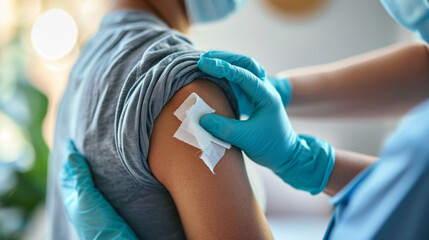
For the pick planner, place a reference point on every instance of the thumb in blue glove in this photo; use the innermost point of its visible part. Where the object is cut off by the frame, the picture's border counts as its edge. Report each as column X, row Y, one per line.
column 284, row 87
column 87, row 209
column 267, row 137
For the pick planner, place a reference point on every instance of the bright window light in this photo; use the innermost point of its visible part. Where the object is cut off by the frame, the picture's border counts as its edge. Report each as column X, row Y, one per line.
column 54, row 34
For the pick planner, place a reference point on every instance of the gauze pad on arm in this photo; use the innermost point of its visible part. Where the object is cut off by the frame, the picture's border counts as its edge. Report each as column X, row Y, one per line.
column 190, row 131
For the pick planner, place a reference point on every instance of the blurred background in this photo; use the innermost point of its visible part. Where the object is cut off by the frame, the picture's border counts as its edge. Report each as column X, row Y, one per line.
column 41, row 39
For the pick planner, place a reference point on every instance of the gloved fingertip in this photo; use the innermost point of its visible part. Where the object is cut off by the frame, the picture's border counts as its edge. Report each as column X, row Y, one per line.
column 206, row 61
column 211, row 54
column 262, row 72
column 212, row 66
column 71, row 148
column 75, row 163
column 204, row 55
column 201, row 63
column 208, row 122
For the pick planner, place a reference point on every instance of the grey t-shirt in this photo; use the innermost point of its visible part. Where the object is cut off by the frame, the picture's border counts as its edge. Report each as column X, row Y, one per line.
column 119, row 85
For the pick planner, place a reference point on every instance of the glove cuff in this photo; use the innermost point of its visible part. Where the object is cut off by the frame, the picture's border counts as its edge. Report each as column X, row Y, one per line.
column 311, row 166
column 327, row 152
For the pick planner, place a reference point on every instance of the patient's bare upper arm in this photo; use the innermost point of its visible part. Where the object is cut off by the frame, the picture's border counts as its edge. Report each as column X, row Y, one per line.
column 211, row 206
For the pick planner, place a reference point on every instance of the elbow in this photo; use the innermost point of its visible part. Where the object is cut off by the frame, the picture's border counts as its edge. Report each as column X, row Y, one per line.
column 423, row 48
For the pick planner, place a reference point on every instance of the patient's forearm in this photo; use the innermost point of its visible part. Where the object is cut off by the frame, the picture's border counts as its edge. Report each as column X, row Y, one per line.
column 387, row 82
column 347, row 166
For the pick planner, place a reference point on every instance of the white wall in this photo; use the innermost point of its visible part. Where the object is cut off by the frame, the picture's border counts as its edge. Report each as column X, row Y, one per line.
column 343, row 28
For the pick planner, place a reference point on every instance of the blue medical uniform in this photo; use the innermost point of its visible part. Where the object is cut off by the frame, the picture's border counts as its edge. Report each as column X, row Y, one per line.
column 390, row 199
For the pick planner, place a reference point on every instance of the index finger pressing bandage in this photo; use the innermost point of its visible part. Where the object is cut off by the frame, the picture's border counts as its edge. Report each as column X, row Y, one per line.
column 190, row 131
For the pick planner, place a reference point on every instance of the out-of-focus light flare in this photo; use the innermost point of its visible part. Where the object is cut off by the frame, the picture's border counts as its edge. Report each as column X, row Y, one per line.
column 15, row 150
column 7, row 21
column 54, row 34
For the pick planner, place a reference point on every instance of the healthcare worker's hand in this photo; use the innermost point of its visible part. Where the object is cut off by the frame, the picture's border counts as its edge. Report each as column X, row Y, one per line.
column 267, row 137
column 89, row 212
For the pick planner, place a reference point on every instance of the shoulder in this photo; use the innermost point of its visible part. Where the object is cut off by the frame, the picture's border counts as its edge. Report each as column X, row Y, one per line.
column 165, row 74
column 166, row 124
column 209, row 91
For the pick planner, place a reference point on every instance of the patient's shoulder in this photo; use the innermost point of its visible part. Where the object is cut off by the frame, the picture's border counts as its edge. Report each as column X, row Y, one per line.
column 210, row 92
column 168, row 154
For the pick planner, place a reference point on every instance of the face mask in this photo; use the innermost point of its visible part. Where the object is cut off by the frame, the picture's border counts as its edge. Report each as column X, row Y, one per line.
column 412, row 14
column 203, row 11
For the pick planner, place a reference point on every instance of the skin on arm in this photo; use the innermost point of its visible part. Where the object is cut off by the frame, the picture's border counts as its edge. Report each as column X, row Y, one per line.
column 386, row 82
column 347, row 166
column 211, row 206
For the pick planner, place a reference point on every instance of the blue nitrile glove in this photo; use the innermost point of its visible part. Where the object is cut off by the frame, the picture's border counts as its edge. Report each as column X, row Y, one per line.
column 89, row 212
column 267, row 137
column 283, row 87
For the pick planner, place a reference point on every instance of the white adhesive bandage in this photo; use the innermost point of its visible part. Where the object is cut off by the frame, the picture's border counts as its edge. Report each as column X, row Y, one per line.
column 190, row 131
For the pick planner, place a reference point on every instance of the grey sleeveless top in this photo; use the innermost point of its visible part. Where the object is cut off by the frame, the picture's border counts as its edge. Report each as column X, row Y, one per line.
column 119, row 85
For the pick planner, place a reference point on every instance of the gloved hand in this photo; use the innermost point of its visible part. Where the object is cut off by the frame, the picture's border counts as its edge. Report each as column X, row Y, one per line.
column 267, row 137
column 89, row 212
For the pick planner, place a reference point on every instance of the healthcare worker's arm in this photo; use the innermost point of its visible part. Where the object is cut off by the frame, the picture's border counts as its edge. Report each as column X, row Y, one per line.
column 211, row 206
column 386, row 82
column 268, row 138
column 347, row 166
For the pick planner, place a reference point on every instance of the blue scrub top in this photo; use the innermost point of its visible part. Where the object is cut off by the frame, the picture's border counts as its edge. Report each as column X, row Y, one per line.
column 390, row 199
